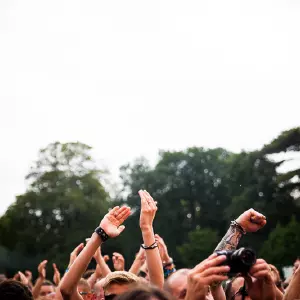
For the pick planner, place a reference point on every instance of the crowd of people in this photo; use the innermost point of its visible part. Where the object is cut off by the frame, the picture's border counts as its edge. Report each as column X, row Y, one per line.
column 226, row 274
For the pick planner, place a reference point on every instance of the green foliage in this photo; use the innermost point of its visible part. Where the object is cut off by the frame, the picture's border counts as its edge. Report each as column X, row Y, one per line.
column 288, row 140
column 63, row 204
column 200, row 245
column 283, row 244
column 199, row 191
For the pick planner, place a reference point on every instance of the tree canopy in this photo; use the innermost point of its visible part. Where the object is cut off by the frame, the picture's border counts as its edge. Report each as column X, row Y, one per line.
column 199, row 191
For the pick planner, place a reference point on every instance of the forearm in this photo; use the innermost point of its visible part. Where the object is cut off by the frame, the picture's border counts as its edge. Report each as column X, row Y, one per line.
column 105, row 270
column 153, row 259
column 37, row 287
column 135, row 268
column 218, row 292
column 230, row 240
column 69, row 282
column 279, row 294
column 293, row 290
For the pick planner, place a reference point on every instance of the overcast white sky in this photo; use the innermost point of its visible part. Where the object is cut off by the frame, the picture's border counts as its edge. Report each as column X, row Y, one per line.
column 132, row 77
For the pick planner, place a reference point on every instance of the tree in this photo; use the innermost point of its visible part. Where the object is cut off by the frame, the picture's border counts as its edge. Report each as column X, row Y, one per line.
column 201, row 243
column 283, row 244
column 64, row 202
column 191, row 190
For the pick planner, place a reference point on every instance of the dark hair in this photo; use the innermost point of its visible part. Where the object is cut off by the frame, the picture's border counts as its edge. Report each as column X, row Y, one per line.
column 144, row 292
column 48, row 283
column 88, row 274
column 14, row 290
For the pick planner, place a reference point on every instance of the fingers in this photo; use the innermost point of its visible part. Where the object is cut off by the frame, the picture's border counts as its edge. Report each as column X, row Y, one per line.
column 121, row 228
column 212, row 261
column 215, row 270
column 216, row 278
column 43, row 264
column 150, row 200
column 124, row 214
column 256, row 217
column 78, row 248
column 144, row 202
column 114, row 210
column 106, row 258
column 55, row 267
column 258, row 266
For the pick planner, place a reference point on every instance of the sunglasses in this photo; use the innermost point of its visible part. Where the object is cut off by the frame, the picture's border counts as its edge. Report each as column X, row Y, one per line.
column 142, row 274
column 84, row 293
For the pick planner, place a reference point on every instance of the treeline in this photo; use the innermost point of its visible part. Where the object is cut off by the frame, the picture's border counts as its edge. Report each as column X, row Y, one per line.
column 199, row 191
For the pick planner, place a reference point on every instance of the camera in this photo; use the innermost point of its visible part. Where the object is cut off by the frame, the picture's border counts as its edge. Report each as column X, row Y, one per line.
column 239, row 261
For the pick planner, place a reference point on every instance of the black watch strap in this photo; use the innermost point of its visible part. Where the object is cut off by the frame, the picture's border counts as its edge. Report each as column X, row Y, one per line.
column 153, row 246
column 104, row 236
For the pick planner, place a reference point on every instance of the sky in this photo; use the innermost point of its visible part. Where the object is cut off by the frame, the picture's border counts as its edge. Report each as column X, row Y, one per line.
column 132, row 77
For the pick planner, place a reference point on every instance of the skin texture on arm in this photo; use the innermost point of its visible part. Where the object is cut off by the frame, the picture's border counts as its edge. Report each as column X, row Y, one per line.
column 154, row 263
column 250, row 221
column 101, row 263
column 138, row 262
column 111, row 224
column 218, row 292
column 293, row 290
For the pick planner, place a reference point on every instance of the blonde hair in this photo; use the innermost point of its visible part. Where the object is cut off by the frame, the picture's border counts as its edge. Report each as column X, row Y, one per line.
column 120, row 277
column 84, row 283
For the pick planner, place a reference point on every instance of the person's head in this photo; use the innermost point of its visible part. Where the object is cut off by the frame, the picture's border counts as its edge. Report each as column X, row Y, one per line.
column 117, row 283
column 88, row 274
column 144, row 292
column 14, row 290
column 296, row 264
column 236, row 289
column 84, row 289
column 176, row 284
column 47, row 288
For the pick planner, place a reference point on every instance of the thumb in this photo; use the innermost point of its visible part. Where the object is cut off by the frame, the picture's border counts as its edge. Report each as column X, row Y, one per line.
column 121, row 229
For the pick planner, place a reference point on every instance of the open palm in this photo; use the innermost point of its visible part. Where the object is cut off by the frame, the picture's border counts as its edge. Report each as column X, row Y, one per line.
column 112, row 221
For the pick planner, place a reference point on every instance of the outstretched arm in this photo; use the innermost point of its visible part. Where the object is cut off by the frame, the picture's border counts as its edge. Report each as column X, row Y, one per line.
column 39, row 282
column 111, row 226
column 293, row 290
column 138, row 262
column 249, row 221
column 154, row 263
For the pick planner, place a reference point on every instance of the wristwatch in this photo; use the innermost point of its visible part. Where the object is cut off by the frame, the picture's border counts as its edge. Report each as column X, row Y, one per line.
column 103, row 235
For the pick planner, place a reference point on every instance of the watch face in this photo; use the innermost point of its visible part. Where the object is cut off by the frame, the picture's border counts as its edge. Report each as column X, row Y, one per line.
column 102, row 234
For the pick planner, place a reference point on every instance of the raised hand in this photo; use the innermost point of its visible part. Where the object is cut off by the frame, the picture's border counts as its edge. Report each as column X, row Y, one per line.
column 251, row 220
column 260, row 283
column 205, row 274
column 28, row 275
column 23, row 278
column 42, row 269
column 163, row 250
column 118, row 261
column 148, row 210
column 113, row 220
column 75, row 253
column 56, row 276
column 141, row 255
